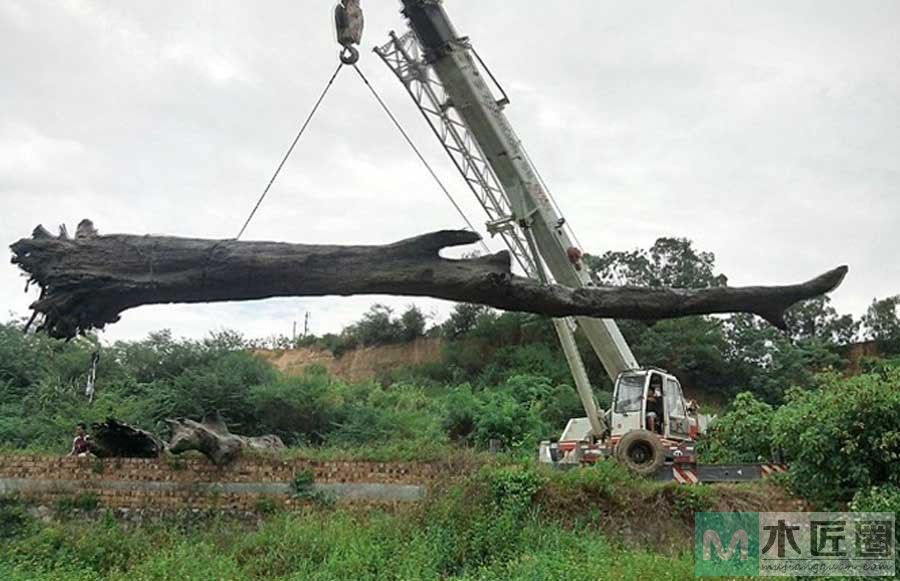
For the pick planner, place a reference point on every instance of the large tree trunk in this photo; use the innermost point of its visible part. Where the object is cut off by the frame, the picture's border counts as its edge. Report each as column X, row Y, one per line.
column 212, row 438
column 88, row 281
column 114, row 439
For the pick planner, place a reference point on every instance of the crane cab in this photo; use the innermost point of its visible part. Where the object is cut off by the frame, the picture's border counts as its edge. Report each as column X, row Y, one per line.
column 644, row 400
column 652, row 400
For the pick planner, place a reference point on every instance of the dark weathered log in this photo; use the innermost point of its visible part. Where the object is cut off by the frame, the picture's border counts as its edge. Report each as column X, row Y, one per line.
column 114, row 439
column 88, row 281
column 212, row 438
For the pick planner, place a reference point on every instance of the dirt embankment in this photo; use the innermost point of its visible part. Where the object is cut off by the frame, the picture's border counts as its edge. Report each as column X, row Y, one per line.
column 359, row 364
column 654, row 516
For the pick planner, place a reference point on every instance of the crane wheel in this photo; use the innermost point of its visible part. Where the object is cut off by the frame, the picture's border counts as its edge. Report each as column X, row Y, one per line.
column 641, row 452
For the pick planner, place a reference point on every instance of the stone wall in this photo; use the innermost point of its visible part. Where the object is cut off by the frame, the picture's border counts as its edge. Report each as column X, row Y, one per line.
column 173, row 483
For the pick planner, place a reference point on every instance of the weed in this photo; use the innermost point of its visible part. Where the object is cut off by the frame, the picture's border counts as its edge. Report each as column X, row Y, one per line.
column 13, row 518
column 86, row 501
column 302, row 486
column 266, row 506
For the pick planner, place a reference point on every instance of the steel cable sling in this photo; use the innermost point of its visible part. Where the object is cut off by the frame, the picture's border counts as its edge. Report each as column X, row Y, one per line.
column 349, row 30
column 290, row 151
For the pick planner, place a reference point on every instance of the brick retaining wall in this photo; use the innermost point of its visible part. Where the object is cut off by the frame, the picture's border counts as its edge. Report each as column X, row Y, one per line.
column 194, row 483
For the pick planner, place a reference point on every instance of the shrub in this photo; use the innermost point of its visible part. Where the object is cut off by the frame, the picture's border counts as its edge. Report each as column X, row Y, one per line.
column 266, row 506
column 303, row 480
column 505, row 419
column 297, row 409
column 463, row 319
column 843, row 436
column 513, row 488
column 878, row 499
column 744, row 434
column 13, row 518
column 462, row 409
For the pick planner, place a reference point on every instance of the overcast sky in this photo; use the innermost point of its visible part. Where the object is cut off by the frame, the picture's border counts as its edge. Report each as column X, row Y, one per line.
column 766, row 131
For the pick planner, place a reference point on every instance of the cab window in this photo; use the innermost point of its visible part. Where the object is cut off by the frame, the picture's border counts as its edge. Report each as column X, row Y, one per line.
column 630, row 395
column 674, row 401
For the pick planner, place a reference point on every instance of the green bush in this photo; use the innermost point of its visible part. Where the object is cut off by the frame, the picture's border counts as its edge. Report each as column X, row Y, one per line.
column 302, row 481
column 843, row 436
column 13, row 517
column 884, row 498
column 300, row 410
column 744, row 434
column 513, row 488
column 504, row 419
column 462, row 410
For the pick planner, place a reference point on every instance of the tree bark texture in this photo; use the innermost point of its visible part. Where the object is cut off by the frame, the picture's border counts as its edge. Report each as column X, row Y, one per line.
column 212, row 438
column 114, row 439
column 87, row 281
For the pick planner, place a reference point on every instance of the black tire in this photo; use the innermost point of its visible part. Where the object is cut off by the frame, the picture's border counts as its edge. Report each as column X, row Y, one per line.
column 641, row 452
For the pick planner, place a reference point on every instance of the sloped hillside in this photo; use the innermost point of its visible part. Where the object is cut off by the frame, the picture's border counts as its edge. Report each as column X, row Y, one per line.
column 358, row 364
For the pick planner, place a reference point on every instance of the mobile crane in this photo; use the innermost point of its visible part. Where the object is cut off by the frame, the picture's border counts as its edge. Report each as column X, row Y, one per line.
column 650, row 427
column 649, row 423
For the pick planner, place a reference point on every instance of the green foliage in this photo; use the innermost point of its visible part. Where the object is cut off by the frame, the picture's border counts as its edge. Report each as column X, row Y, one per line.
column 187, row 560
column 13, row 517
column 412, row 323
column 695, row 349
column 86, row 502
column 602, row 480
column 303, row 480
column 302, row 485
column 882, row 324
column 842, row 436
column 464, row 318
column 297, row 409
column 463, row 409
column 817, row 319
column 513, row 488
column 839, row 437
column 266, row 506
column 504, row 418
column 498, row 523
column 687, row 500
column 671, row 262
column 884, row 498
column 379, row 326
column 767, row 363
column 743, row 435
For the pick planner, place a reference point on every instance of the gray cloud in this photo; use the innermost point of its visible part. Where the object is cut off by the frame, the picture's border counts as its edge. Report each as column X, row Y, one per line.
column 766, row 131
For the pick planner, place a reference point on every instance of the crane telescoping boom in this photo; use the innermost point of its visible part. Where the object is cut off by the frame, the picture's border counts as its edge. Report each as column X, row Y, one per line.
column 441, row 71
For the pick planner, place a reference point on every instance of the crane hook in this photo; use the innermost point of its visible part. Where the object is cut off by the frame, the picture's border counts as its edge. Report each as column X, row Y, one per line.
column 349, row 55
column 349, row 22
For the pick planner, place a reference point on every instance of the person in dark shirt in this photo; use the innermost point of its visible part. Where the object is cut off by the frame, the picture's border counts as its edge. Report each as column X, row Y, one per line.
column 81, row 444
column 655, row 405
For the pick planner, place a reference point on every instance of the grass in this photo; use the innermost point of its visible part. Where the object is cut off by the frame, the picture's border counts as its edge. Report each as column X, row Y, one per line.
column 497, row 524
column 505, row 520
column 342, row 544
